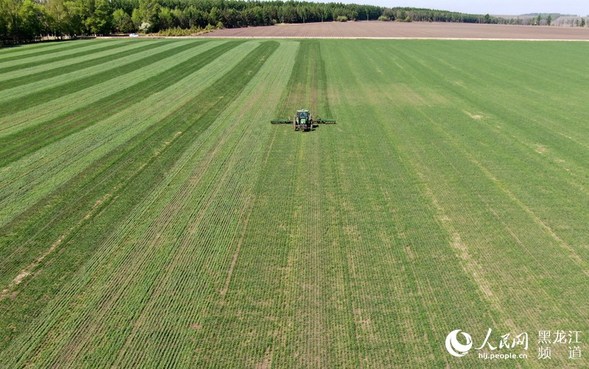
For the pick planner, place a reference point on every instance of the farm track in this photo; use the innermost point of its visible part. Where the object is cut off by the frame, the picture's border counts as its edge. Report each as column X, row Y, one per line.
column 151, row 217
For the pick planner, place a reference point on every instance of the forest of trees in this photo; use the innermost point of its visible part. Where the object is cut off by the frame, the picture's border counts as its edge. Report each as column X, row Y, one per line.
column 29, row 20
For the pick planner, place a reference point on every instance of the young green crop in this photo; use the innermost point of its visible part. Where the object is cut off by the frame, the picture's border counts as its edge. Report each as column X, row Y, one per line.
column 151, row 216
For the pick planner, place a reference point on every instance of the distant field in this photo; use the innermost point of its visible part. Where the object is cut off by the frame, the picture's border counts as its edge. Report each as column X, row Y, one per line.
column 393, row 30
column 150, row 216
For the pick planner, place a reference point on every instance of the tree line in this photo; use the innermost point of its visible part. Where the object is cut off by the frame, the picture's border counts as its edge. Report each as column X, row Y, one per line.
column 28, row 20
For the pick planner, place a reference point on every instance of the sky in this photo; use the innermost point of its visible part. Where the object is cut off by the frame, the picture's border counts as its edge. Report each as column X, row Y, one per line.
column 498, row 7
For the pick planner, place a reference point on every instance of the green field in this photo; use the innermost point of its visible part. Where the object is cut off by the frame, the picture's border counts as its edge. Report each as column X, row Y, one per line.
column 152, row 217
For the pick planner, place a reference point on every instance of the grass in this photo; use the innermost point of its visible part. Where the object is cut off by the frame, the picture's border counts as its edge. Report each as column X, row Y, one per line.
column 157, row 219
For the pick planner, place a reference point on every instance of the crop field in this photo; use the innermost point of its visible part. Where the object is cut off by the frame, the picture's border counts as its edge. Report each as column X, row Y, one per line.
column 152, row 217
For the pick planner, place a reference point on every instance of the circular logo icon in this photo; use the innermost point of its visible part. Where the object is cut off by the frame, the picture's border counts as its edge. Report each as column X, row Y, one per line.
column 454, row 347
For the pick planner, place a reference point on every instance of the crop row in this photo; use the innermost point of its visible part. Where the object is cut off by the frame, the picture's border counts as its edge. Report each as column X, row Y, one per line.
column 169, row 225
column 95, row 173
column 137, row 254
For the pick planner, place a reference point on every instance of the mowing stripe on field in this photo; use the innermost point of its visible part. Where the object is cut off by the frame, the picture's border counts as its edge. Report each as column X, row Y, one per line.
column 19, row 53
column 28, row 140
column 24, row 72
column 95, row 177
column 53, row 214
column 212, row 204
column 154, row 253
column 12, row 106
column 30, row 179
column 79, row 66
column 62, row 105
column 191, row 120
column 48, row 174
column 565, row 136
column 56, row 61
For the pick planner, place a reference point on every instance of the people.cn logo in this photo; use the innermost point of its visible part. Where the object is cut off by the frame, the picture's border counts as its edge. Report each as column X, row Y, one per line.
column 454, row 347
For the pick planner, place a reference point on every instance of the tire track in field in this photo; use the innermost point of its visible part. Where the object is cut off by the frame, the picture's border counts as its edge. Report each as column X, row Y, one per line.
column 29, row 269
column 192, row 119
column 310, row 256
column 574, row 255
column 447, row 144
column 492, row 290
column 76, row 67
column 513, row 111
column 11, row 106
column 30, row 139
column 94, row 50
column 403, row 251
column 470, row 265
column 481, row 274
column 517, row 111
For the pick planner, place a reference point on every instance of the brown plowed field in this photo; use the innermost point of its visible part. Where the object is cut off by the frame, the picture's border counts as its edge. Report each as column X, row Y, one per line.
column 407, row 30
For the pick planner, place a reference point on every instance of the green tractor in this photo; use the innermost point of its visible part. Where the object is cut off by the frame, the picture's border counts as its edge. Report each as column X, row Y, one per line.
column 303, row 121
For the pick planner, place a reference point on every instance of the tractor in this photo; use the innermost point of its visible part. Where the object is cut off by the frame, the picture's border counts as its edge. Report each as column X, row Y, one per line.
column 303, row 121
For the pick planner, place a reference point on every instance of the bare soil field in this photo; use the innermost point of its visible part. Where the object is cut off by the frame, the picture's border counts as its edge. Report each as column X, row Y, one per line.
column 414, row 30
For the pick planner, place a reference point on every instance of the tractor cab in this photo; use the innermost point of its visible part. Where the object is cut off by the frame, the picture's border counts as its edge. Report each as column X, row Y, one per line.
column 303, row 114
column 303, row 120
